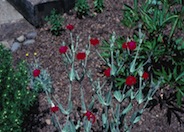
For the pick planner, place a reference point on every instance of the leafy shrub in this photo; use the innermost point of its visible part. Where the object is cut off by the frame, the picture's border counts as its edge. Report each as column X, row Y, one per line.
column 55, row 20
column 15, row 97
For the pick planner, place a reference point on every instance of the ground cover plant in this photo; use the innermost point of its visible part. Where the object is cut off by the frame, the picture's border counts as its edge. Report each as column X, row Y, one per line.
column 54, row 96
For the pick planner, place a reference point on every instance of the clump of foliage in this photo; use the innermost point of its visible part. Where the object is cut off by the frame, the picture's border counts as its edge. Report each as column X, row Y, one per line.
column 15, row 97
column 55, row 20
column 99, row 5
column 161, row 20
column 82, row 8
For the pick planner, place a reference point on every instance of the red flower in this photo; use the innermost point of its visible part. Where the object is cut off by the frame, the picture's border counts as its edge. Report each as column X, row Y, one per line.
column 90, row 116
column 131, row 45
column 145, row 75
column 63, row 49
column 107, row 72
column 54, row 108
column 130, row 80
column 36, row 72
column 81, row 55
column 70, row 27
column 94, row 41
column 124, row 45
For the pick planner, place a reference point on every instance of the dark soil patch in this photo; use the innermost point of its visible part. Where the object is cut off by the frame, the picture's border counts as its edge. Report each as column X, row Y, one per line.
column 47, row 47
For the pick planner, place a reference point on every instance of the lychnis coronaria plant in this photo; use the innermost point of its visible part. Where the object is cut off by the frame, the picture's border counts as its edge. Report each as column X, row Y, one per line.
column 109, row 103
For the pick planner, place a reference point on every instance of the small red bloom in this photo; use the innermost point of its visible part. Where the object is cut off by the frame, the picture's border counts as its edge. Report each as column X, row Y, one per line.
column 70, row 27
column 94, row 41
column 131, row 45
column 81, row 55
column 36, row 72
column 124, row 45
column 130, row 80
column 54, row 108
column 145, row 75
column 90, row 116
column 107, row 72
column 63, row 49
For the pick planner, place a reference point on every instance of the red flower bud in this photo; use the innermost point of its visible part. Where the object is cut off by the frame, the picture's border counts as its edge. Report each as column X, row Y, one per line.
column 94, row 41
column 130, row 80
column 124, row 45
column 145, row 75
column 107, row 72
column 63, row 49
column 70, row 27
column 36, row 72
column 54, row 109
column 90, row 116
column 131, row 45
column 81, row 55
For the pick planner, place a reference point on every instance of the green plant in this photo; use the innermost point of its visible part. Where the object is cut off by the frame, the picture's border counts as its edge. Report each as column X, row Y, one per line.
column 164, row 46
column 15, row 97
column 55, row 20
column 82, row 8
column 115, row 102
column 99, row 5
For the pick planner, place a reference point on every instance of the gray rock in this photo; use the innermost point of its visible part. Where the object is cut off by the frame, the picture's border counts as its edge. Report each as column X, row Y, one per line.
column 15, row 46
column 6, row 44
column 31, row 35
column 21, row 38
column 29, row 41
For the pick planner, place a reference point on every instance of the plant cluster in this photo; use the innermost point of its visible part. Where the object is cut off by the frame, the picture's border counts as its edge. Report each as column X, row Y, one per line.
column 117, row 95
column 15, row 97
column 82, row 7
column 55, row 20
column 161, row 21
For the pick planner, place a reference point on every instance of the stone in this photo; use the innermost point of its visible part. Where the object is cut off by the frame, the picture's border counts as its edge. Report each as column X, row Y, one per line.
column 35, row 11
column 31, row 35
column 6, row 44
column 21, row 38
column 29, row 41
column 15, row 46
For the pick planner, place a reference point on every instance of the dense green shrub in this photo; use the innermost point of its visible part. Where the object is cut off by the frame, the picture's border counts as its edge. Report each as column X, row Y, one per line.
column 15, row 97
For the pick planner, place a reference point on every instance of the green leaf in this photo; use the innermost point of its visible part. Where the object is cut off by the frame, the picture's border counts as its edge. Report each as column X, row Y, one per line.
column 139, row 97
column 127, row 109
column 119, row 96
column 136, row 116
column 180, row 76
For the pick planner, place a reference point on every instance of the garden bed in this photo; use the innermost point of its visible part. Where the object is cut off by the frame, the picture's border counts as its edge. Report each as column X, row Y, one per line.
column 100, row 25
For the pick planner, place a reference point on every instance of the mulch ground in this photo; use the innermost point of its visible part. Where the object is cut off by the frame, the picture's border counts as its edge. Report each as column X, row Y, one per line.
column 47, row 47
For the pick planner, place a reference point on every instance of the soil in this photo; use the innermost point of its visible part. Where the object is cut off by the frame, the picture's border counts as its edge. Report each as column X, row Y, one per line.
column 100, row 25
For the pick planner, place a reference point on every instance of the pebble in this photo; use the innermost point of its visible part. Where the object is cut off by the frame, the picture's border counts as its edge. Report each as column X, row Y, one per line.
column 31, row 35
column 21, row 38
column 15, row 46
column 29, row 41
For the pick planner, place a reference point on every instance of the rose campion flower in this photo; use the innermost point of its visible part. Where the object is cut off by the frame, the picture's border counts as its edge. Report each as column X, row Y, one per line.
column 124, row 45
column 70, row 27
column 36, row 72
column 90, row 116
column 107, row 72
column 54, row 109
column 63, row 49
column 145, row 75
column 130, row 80
column 81, row 55
column 131, row 45
column 94, row 41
